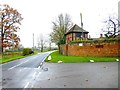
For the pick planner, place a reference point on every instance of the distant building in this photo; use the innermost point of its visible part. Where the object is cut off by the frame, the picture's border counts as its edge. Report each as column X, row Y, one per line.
column 76, row 33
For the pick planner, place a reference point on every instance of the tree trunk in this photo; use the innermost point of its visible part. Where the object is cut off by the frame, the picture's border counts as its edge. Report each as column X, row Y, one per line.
column 50, row 46
column 66, row 49
column 41, row 48
column 59, row 49
column 1, row 46
column 1, row 43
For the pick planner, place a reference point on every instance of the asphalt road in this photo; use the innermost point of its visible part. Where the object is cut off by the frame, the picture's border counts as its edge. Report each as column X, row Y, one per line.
column 20, row 73
column 26, row 73
column 78, row 75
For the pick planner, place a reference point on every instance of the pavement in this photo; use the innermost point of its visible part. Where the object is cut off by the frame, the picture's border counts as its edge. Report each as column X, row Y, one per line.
column 78, row 75
column 0, row 77
column 27, row 73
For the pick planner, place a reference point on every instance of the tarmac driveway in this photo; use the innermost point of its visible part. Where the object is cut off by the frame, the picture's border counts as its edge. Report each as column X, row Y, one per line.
column 78, row 75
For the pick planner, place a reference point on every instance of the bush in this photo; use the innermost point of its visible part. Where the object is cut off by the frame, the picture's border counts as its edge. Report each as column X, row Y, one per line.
column 62, row 41
column 31, row 52
column 27, row 51
column 96, row 41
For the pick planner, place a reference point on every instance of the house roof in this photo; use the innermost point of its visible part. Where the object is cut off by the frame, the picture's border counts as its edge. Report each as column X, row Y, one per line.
column 77, row 29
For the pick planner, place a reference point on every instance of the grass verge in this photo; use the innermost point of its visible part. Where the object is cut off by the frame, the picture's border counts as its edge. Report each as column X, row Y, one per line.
column 12, row 56
column 8, row 58
column 74, row 59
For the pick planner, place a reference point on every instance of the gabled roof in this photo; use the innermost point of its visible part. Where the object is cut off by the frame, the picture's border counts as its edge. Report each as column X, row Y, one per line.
column 76, row 28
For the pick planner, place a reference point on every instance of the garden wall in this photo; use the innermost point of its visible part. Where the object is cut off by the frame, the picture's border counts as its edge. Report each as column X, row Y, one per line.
column 91, row 49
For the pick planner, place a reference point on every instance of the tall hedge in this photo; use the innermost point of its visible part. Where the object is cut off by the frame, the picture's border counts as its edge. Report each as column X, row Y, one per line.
column 96, row 41
column 27, row 51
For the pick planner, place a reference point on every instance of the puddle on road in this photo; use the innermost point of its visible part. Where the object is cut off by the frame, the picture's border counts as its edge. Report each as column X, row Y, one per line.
column 4, row 81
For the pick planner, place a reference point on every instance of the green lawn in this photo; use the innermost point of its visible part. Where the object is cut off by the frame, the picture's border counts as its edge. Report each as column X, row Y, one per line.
column 0, row 58
column 74, row 59
column 10, row 56
column 7, row 57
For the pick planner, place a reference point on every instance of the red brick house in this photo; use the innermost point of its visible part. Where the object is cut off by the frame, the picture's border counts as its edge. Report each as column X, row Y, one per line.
column 76, row 33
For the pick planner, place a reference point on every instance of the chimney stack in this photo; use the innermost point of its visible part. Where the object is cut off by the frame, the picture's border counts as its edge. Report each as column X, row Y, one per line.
column 101, row 35
column 81, row 20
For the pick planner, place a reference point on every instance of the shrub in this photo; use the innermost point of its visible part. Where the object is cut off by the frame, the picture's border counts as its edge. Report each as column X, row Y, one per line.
column 96, row 41
column 27, row 51
column 62, row 41
column 31, row 52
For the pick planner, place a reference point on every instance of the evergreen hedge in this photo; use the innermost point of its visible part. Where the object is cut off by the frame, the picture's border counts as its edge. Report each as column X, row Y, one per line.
column 27, row 51
column 96, row 41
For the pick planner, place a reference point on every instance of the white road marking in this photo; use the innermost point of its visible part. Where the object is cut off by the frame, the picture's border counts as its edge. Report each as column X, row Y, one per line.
column 27, row 84
column 34, row 74
column 32, row 86
column 20, row 70
column 17, row 65
column 38, row 67
column 39, row 73
column 41, row 63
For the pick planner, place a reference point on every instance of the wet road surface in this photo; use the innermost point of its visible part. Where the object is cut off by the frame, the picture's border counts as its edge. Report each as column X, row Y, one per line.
column 20, row 73
column 78, row 75
column 25, row 73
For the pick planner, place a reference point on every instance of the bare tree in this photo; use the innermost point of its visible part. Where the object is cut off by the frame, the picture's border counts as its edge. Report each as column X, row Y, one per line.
column 20, row 47
column 60, row 27
column 50, row 43
column 41, row 42
column 9, row 20
column 111, row 27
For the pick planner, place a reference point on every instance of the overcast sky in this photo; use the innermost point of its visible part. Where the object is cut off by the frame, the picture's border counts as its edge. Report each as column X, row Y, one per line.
column 38, row 15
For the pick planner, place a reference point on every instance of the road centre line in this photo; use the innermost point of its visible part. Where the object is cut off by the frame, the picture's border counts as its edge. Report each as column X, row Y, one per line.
column 41, row 63
column 17, row 65
column 38, row 67
column 22, row 63
column 34, row 75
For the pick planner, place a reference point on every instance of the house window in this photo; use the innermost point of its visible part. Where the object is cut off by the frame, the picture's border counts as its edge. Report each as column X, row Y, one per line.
column 78, row 35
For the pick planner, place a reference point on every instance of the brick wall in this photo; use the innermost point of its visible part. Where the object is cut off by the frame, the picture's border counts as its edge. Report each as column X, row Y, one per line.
column 68, row 38
column 91, row 49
